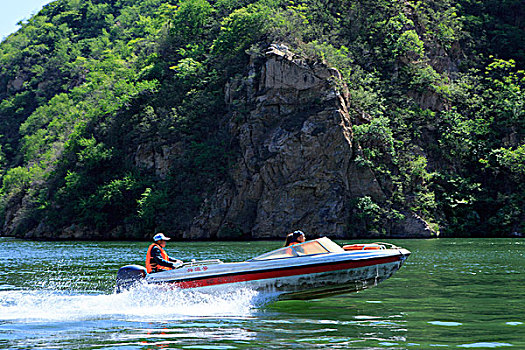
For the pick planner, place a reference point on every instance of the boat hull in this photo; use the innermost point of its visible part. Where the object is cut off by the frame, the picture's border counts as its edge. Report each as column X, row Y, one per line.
column 324, row 284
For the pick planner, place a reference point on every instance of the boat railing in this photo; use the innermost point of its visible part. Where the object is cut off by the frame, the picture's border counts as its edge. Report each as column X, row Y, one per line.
column 194, row 262
column 387, row 245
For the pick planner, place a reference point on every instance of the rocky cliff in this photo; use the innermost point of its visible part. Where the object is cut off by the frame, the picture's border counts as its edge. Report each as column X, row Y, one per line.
column 297, row 167
column 290, row 123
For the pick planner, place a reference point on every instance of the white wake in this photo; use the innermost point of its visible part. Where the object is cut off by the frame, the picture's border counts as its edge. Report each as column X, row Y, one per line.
column 145, row 303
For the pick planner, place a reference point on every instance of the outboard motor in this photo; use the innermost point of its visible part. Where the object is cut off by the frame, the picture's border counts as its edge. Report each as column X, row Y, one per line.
column 128, row 276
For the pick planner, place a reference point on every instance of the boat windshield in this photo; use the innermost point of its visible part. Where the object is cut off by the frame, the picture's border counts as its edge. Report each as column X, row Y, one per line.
column 319, row 246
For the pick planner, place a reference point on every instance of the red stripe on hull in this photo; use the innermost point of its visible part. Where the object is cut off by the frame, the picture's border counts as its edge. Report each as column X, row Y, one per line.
column 281, row 273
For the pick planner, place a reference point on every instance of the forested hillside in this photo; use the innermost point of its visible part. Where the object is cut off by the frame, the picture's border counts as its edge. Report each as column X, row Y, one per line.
column 116, row 115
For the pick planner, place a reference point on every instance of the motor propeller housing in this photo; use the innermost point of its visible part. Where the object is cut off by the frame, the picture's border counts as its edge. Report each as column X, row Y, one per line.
column 128, row 276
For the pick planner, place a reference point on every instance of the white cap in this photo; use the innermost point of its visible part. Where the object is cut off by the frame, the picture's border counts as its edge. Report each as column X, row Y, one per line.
column 160, row 237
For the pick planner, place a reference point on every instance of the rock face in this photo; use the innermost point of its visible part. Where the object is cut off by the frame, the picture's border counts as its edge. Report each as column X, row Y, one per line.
column 413, row 227
column 296, row 169
column 156, row 157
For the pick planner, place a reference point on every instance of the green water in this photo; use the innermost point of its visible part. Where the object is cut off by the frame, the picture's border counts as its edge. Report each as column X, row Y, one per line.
column 451, row 293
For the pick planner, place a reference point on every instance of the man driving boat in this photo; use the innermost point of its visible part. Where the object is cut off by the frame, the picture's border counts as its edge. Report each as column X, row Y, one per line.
column 157, row 259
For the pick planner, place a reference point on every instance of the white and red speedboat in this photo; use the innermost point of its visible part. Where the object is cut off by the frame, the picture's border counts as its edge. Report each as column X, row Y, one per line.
column 308, row 270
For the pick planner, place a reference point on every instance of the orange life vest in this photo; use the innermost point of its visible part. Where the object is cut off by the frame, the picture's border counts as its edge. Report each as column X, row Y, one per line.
column 151, row 264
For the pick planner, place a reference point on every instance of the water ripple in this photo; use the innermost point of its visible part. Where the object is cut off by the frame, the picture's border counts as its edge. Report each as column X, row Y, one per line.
column 484, row 345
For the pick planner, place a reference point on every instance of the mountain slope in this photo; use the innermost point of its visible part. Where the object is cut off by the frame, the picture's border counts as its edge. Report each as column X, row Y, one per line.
column 120, row 118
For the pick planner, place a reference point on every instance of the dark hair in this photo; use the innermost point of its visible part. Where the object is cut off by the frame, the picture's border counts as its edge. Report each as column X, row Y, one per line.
column 293, row 238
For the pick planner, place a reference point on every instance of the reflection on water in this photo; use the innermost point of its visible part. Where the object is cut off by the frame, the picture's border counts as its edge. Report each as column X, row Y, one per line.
column 450, row 293
column 446, row 324
column 484, row 345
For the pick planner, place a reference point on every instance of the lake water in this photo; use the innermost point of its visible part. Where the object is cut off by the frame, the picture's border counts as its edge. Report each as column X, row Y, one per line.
column 451, row 293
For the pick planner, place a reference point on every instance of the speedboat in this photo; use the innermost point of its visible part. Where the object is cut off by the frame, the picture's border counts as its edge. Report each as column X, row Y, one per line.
column 308, row 270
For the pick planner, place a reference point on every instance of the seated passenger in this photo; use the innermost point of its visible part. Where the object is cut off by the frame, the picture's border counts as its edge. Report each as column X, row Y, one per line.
column 295, row 237
column 157, row 259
